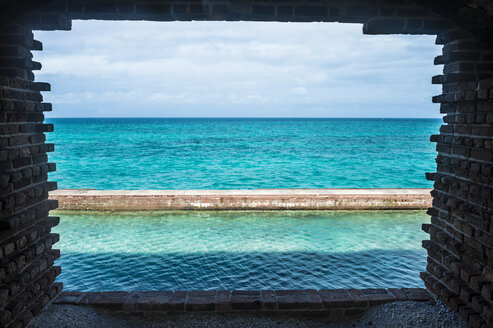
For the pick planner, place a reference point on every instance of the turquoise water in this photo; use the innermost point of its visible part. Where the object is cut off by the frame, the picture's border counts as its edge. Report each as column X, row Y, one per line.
column 157, row 153
column 241, row 250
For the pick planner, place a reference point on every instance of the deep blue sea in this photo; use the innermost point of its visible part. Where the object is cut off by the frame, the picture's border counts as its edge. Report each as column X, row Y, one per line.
column 242, row 153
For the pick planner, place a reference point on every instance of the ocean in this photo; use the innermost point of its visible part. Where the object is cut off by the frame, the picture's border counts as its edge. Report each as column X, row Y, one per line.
column 242, row 153
column 245, row 250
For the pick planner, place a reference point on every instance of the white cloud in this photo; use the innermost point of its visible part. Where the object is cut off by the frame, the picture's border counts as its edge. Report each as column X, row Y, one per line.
column 236, row 69
column 300, row 91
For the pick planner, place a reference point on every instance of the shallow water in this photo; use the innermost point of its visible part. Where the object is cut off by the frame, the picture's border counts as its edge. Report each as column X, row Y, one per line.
column 161, row 153
column 241, row 250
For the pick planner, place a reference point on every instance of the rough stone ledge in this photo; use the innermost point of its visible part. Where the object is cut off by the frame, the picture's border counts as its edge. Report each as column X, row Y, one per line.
column 260, row 199
column 329, row 302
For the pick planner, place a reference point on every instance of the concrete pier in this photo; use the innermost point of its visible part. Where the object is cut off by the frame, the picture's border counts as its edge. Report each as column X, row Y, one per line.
column 260, row 199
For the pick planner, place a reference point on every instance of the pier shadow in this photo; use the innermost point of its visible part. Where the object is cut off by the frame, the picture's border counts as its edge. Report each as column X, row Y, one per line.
column 244, row 270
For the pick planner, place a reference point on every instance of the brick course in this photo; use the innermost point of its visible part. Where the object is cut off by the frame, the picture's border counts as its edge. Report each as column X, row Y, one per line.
column 334, row 303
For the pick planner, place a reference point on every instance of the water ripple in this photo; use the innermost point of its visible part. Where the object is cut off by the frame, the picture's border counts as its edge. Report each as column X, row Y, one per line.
column 241, row 250
column 242, row 153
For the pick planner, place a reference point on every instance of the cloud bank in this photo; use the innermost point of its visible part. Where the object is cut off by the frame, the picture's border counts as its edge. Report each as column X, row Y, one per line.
column 236, row 69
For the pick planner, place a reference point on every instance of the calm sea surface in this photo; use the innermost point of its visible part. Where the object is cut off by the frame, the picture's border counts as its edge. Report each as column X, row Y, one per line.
column 161, row 153
column 241, row 250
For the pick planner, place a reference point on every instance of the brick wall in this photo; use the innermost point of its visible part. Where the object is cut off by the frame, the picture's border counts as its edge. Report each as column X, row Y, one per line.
column 460, row 249
column 378, row 16
column 460, row 261
column 27, row 273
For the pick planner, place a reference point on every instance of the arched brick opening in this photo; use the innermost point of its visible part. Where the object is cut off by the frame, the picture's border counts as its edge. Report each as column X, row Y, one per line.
column 460, row 249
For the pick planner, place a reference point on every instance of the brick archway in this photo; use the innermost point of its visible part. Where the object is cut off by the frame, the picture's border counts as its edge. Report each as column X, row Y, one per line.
column 460, row 249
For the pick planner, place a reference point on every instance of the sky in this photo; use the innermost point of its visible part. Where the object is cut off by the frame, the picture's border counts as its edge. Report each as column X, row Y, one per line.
column 235, row 69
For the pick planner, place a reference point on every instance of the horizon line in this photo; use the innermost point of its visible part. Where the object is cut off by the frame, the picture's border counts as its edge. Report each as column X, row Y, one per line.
column 257, row 117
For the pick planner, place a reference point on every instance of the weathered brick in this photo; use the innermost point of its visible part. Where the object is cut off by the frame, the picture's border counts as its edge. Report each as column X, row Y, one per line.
column 291, row 299
column 246, row 300
column 336, row 298
column 201, row 301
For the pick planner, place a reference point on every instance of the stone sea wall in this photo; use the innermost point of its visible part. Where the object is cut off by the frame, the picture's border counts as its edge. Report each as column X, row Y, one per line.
column 266, row 199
